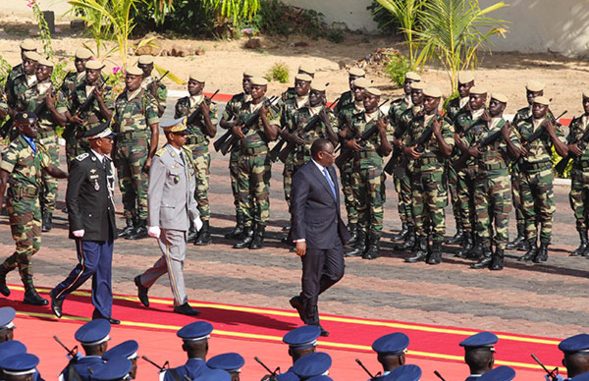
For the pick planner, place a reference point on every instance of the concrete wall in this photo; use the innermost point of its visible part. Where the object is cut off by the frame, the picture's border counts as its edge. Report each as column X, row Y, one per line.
column 19, row 7
column 351, row 12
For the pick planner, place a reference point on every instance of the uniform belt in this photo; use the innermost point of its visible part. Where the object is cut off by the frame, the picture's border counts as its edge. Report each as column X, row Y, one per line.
column 535, row 167
column 196, row 140
column 427, row 160
column 132, row 134
column 492, row 167
column 253, row 151
column 364, row 154
column 25, row 191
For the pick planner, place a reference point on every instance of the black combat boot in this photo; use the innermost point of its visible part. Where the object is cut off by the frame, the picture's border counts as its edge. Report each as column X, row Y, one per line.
column 47, row 223
column 467, row 245
column 520, row 240
column 421, row 253
column 497, row 261
column 238, row 229
column 410, row 240
column 246, row 239
column 31, row 295
column 4, row 290
column 542, row 254
column 353, row 229
column 402, row 234
column 579, row 251
column 204, row 235
column 485, row 260
column 359, row 246
column 139, row 232
column 532, row 250
column 458, row 237
column 476, row 252
column 192, row 234
column 373, row 246
column 436, row 256
column 258, row 239
column 129, row 227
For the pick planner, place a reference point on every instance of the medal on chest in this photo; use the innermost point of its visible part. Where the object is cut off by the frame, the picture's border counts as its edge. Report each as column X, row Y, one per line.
column 94, row 179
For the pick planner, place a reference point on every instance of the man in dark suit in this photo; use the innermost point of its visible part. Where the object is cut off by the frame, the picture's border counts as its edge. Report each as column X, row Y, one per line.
column 317, row 229
column 89, row 200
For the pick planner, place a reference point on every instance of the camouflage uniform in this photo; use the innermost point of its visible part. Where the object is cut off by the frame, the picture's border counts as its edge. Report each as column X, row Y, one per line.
column 516, row 176
column 579, row 194
column 16, row 72
column 22, row 203
column 134, row 113
column 198, row 143
column 17, row 100
column 302, row 153
column 65, row 97
column 161, row 94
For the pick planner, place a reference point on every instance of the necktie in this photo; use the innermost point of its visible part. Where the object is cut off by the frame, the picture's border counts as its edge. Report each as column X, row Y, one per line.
column 330, row 182
column 182, row 158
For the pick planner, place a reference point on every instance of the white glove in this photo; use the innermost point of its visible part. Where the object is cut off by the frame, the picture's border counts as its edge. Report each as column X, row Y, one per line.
column 197, row 223
column 154, row 231
column 78, row 233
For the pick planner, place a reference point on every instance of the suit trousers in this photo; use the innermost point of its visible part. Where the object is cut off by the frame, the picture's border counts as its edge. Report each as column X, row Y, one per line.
column 321, row 270
column 95, row 260
column 173, row 246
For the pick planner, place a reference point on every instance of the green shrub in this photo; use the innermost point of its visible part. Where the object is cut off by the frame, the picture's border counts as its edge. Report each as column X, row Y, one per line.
column 397, row 68
column 385, row 22
column 278, row 72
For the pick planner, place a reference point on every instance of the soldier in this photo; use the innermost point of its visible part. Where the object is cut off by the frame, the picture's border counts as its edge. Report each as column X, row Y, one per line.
column 539, row 134
column 21, row 69
column 347, row 98
column 431, row 141
column 202, row 126
column 171, row 183
column 501, row 373
column 533, row 89
column 195, row 342
column 88, row 105
column 228, row 121
column 153, row 85
column 367, row 136
column 465, row 83
column 228, row 362
column 400, row 178
column 301, row 341
column 291, row 93
column 116, row 369
column 312, row 365
column 74, row 78
column 479, row 353
column 7, row 326
column 23, row 162
column 576, row 354
column 578, row 196
column 136, row 123
column 391, row 350
column 492, row 144
column 128, row 350
column 345, row 111
column 20, row 367
column 254, row 198
column 467, row 120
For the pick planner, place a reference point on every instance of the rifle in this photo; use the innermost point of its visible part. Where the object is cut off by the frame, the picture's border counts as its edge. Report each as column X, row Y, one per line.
column 552, row 374
column 366, row 369
column 72, row 353
column 311, row 123
column 196, row 113
column 161, row 368
column 155, row 84
column 490, row 139
column 540, row 132
column 439, row 375
column 271, row 373
column 226, row 142
column 581, row 143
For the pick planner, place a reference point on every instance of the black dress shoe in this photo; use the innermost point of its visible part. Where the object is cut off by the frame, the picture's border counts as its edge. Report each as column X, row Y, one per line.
column 56, row 305
column 324, row 332
column 113, row 321
column 141, row 291
column 186, row 309
column 297, row 303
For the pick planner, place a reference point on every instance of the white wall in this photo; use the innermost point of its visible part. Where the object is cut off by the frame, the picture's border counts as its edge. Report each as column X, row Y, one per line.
column 19, row 7
column 351, row 12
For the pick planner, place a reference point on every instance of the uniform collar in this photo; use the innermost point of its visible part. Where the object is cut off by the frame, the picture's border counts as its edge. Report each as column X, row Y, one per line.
column 99, row 156
column 195, row 100
column 132, row 94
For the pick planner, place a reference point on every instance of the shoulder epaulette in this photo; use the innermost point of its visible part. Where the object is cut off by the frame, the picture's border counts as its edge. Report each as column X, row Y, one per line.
column 82, row 156
column 160, row 151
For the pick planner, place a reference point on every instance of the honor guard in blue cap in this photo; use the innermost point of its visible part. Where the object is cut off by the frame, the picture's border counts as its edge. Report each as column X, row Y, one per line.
column 19, row 367
column 229, row 362
column 213, row 375
column 7, row 315
column 576, row 354
column 302, row 341
column 12, row 347
column 501, row 373
column 94, row 337
column 391, row 351
column 404, row 373
column 320, row 378
column 127, row 349
column 314, row 364
column 479, row 353
column 288, row 376
column 581, row 377
column 116, row 369
column 195, row 337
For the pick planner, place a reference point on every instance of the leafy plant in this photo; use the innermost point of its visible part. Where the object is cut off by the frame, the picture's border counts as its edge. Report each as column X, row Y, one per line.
column 5, row 68
column 44, row 31
column 397, row 68
column 452, row 31
column 278, row 72
column 386, row 23
column 237, row 11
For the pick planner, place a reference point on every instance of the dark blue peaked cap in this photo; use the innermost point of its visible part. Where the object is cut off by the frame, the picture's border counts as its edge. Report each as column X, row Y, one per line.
column 288, row 376
column 214, row 375
column 127, row 349
column 313, row 364
column 230, row 362
column 479, row 340
column 22, row 363
column 574, row 344
column 404, row 373
column 581, row 377
column 11, row 347
column 93, row 332
column 302, row 337
column 114, row 369
column 394, row 343
column 7, row 315
column 501, row 373
column 199, row 330
column 320, row 378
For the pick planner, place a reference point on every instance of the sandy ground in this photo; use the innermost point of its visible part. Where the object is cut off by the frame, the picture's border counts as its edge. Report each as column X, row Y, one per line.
column 224, row 61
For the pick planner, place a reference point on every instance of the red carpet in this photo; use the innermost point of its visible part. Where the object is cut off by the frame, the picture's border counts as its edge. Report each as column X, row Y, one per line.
column 258, row 331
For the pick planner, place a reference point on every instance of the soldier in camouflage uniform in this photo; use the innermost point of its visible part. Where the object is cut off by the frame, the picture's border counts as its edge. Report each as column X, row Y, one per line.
column 539, row 134
column 400, row 178
column 228, row 121
column 254, row 197
column 579, row 194
column 71, row 81
column 533, row 89
column 470, row 117
column 350, row 103
column 465, row 82
column 136, row 123
column 291, row 91
column 21, row 167
column 431, row 141
column 368, row 175
column 202, row 126
column 491, row 143
column 152, row 84
column 19, row 70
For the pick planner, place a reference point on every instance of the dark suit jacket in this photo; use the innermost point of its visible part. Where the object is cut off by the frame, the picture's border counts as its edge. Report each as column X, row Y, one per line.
column 89, row 204
column 315, row 213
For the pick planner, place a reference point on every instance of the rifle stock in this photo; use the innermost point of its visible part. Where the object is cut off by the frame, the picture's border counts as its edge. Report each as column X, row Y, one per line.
column 72, row 353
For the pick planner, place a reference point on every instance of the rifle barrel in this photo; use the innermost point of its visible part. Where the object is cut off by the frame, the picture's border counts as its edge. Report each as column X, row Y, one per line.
column 439, row 375
column 363, row 367
column 264, row 365
column 161, row 368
